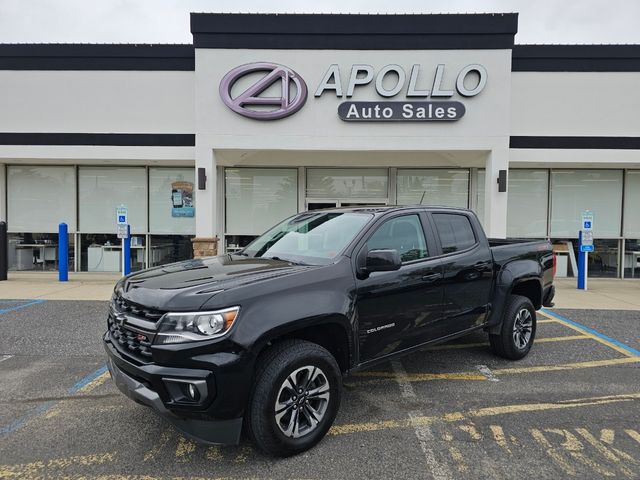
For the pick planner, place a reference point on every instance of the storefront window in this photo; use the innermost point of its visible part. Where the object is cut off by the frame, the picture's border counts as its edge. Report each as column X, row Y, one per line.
column 259, row 198
column 433, row 187
column 169, row 248
column 603, row 262
column 172, row 200
column 40, row 198
column 103, row 189
column 631, row 203
column 632, row 258
column 527, row 203
column 103, row 253
column 342, row 183
column 573, row 191
column 36, row 251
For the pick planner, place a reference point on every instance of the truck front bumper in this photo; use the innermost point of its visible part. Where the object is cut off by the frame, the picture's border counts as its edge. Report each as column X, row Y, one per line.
column 208, row 431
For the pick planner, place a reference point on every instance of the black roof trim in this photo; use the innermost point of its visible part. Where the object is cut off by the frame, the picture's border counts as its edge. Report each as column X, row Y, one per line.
column 354, row 31
column 106, row 139
column 73, row 56
column 588, row 143
column 576, row 58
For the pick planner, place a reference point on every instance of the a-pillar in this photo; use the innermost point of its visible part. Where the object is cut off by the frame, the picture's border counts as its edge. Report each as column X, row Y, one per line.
column 205, row 243
column 495, row 202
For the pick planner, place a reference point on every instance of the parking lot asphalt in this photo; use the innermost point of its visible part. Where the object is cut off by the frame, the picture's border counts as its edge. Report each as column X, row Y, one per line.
column 569, row 409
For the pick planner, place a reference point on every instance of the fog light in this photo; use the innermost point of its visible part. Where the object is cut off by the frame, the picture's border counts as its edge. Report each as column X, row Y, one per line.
column 193, row 392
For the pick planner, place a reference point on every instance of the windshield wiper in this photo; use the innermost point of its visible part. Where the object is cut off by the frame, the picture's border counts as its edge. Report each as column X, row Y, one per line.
column 286, row 260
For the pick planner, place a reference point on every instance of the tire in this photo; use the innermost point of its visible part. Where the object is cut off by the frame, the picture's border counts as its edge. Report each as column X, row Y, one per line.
column 518, row 329
column 270, row 421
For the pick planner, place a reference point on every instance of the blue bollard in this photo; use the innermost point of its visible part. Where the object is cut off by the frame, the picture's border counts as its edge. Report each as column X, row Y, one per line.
column 127, row 252
column 63, row 253
column 582, row 274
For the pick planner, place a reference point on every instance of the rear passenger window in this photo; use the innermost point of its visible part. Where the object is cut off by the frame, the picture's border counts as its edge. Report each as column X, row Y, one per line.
column 455, row 232
column 403, row 234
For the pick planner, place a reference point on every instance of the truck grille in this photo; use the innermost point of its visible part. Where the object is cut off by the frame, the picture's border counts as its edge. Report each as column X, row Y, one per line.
column 136, row 344
column 132, row 328
column 125, row 306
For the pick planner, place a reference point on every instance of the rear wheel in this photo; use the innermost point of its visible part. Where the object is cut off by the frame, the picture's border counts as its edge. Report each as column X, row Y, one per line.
column 518, row 329
column 295, row 398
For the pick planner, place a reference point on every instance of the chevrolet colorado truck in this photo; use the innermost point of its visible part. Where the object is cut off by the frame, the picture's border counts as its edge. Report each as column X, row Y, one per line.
column 260, row 339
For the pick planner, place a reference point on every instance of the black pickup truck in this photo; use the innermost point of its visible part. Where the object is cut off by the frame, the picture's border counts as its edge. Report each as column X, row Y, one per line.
column 262, row 338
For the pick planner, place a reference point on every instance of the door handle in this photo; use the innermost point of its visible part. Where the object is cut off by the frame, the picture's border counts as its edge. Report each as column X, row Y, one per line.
column 432, row 277
column 482, row 265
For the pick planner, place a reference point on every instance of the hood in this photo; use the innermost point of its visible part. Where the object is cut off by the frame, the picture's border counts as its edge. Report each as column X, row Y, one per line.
column 189, row 284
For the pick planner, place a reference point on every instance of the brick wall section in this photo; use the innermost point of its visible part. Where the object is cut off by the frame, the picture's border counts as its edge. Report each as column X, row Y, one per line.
column 204, row 247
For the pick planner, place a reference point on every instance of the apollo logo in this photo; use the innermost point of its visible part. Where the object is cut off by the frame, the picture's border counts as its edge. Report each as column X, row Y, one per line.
column 251, row 104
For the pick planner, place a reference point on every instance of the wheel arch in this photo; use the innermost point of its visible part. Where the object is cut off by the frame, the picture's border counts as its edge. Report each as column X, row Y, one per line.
column 330, row 332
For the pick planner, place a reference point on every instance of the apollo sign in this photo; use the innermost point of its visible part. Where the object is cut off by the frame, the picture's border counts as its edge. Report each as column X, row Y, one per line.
column 424, row 99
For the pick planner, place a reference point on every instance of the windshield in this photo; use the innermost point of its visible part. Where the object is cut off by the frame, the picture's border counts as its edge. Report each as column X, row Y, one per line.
column 313, row 238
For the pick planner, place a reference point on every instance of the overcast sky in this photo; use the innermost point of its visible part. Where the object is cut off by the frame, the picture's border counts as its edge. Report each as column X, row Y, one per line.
column 167, row 21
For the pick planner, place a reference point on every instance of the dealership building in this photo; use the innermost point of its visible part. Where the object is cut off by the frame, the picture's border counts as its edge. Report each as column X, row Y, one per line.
column 208, row 145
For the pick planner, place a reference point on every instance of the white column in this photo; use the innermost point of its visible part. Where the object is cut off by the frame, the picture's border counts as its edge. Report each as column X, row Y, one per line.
column 495, row 203
column 206, row 201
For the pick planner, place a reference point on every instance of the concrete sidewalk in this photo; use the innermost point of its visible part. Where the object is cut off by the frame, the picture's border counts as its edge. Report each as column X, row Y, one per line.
column 603, row 294
column 45, row 286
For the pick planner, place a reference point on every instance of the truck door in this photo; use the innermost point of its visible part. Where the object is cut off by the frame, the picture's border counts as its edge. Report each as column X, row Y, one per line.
column 468, row 271
column 396, row 309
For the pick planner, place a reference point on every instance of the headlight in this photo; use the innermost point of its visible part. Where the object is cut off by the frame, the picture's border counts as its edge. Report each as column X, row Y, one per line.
column 195, row 326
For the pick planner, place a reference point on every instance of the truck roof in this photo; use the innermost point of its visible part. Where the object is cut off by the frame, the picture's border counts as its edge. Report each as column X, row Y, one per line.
column 378, row 209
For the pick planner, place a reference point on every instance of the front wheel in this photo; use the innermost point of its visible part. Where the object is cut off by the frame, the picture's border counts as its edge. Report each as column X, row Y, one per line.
column 295, row 399
column 518, row 329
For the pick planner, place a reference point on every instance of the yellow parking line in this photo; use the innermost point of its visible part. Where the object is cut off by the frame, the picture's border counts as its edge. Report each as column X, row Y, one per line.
column 346, row 429
column 590, row 335
column 95, row 383
column 547, row 320
column 566, row 366
column 454, row 346
column 423, row 377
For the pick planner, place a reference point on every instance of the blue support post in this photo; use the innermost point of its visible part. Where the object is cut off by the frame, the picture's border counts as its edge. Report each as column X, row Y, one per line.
column 127, row 252
column 63, row 253
column 582, row 271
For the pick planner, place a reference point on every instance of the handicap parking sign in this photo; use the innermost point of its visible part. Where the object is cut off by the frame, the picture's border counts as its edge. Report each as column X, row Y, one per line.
column 587, row 225
column 121, row 215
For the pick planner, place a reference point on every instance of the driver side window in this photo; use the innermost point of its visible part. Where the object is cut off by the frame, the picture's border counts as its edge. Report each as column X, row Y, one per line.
column 404, row 234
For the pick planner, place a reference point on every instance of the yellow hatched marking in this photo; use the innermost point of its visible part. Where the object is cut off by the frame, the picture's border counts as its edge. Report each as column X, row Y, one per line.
column 500, row 437
column 591, row 335
column 633, row 434
column 473, row 432
column 153, row 453
column 184, row 449
column 575, row 449
column 37, row 469
column 455, row 453
column 608, row 452
column 346, row 429
column 539, row 437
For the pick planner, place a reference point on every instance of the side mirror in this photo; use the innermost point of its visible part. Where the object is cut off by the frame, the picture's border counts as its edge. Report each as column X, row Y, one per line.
column 382, row 261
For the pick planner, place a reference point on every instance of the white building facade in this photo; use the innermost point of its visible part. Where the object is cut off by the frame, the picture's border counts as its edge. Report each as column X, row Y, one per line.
column 210, row 144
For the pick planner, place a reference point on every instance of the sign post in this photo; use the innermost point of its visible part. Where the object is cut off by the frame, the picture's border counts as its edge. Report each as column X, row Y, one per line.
column 585, row 241
column 122, row 229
